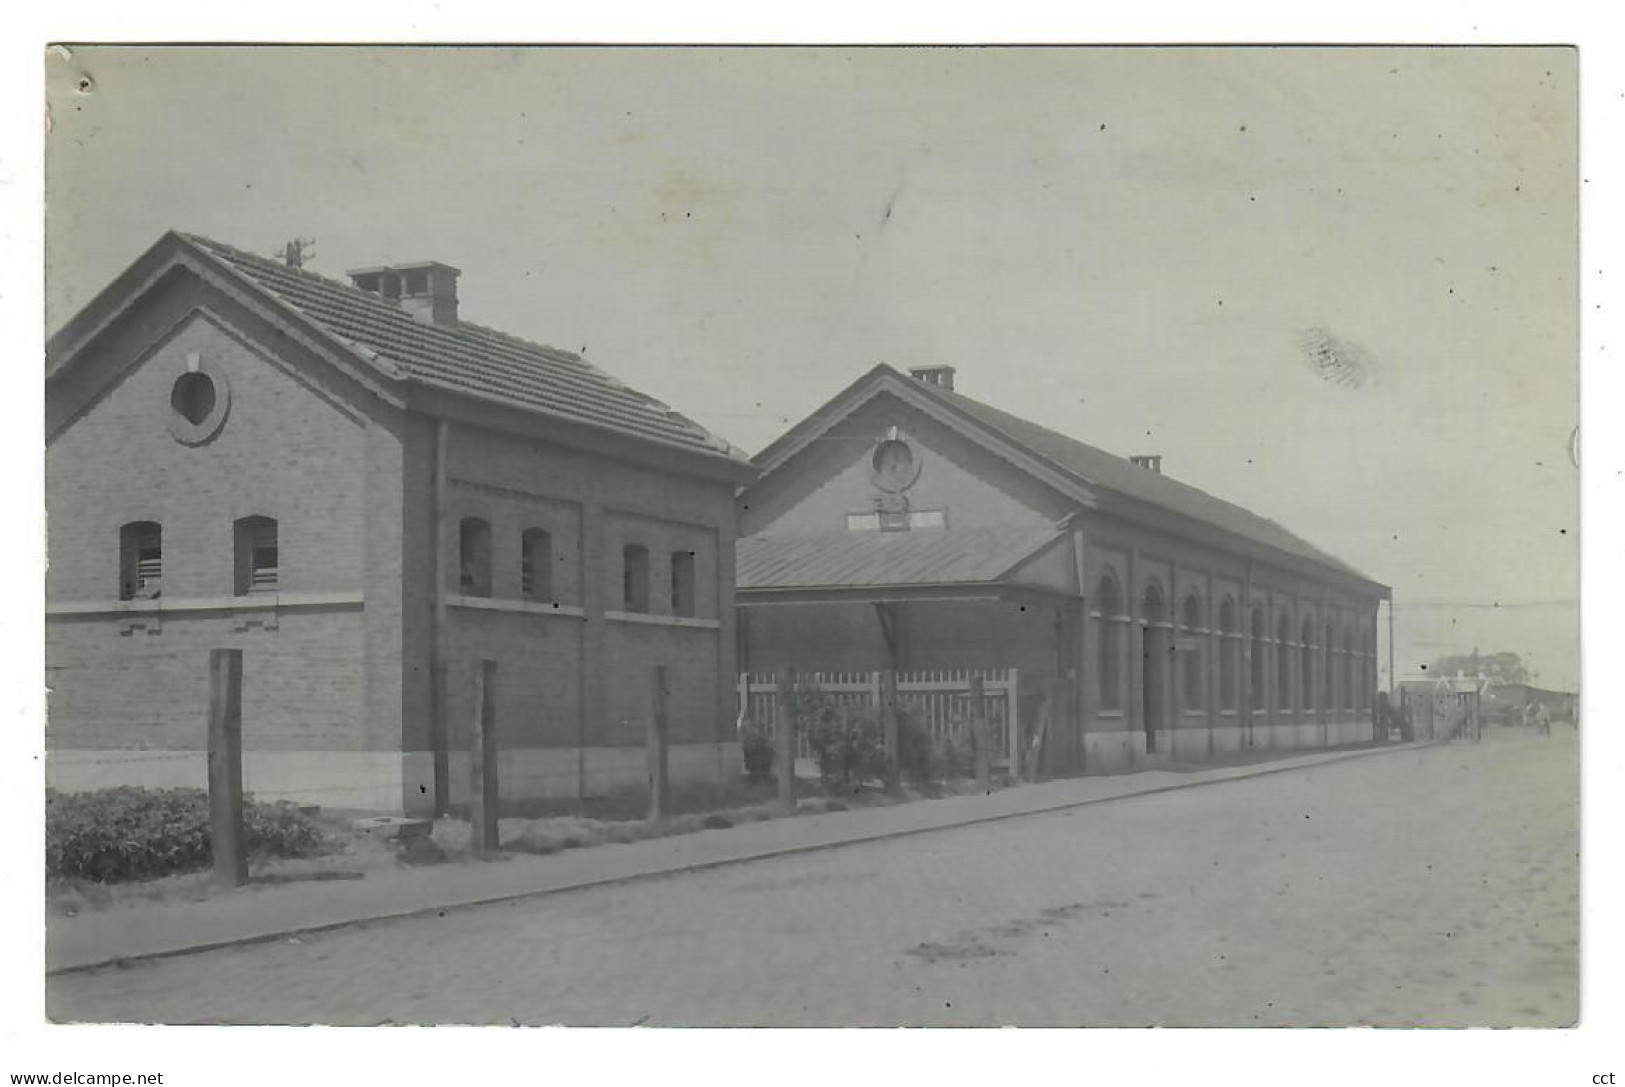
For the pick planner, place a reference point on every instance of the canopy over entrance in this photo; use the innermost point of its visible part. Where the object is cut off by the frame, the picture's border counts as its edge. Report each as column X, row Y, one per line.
column 989, row 562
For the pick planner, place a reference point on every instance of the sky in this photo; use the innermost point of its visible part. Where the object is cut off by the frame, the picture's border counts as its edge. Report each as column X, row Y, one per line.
column 1336, row 286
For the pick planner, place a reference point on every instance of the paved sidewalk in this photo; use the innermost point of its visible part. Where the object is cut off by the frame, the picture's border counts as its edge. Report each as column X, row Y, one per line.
column 260, row 913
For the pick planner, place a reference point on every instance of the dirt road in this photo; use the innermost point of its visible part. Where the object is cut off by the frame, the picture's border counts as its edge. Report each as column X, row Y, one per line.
column 1434, row 887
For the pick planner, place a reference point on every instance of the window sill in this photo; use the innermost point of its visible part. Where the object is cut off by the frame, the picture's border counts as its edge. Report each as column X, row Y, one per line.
column 182, row 604
column 662, row 620
column 523, row 607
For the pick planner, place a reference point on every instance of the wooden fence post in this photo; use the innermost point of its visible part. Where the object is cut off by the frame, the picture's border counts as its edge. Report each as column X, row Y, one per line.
column 658, row 796
column 890, row 710
column 979, row 732
column 784, row 736
column 482, row 760
column 226, row 767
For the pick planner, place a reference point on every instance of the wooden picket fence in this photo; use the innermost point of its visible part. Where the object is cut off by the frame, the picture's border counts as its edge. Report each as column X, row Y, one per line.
column 941, row 699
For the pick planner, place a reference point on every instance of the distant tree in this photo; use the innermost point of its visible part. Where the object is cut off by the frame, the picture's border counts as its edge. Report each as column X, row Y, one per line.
column 1504, row 667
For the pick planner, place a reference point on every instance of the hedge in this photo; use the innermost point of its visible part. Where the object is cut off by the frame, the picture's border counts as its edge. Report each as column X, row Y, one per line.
column 130, row 833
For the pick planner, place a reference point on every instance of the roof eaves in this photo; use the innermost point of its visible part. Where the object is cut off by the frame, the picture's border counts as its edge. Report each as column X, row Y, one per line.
column 726, row 455
column 310, row 332
column 1318, row 557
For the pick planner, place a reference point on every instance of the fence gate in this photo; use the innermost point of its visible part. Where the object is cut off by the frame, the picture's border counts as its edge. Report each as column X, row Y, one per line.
column 941, row 699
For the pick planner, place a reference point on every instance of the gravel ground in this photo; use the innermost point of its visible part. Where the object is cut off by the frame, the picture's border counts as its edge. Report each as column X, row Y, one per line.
column 1435, row 887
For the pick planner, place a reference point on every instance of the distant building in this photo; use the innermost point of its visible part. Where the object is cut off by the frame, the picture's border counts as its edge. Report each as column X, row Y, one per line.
column 367, row 496
column 1504, row 703
column 1435, row 705
column 904, row 525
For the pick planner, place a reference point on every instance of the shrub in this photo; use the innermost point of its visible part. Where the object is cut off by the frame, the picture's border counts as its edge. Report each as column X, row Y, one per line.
column 846, row 742
column 757, row 747
column 924, row 759
column 129, row 833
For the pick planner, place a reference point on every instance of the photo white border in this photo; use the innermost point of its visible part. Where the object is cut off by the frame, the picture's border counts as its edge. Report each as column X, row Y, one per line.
column 278, row 1055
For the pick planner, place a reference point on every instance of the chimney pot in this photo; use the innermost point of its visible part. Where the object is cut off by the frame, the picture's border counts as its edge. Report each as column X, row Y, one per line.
column 425, row 289
column 1150, row 461
column 940, row 376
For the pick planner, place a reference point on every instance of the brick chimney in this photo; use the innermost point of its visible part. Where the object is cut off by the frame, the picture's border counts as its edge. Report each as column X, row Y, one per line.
column 1149, row 461
column 940, row 376
column 425, row 289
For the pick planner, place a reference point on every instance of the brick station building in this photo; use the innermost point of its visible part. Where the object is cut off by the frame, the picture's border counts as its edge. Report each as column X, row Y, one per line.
column 906, row 526
column 367, row 496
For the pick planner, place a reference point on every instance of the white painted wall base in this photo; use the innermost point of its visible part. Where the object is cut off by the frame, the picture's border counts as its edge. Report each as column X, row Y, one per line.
column 363, row 780
column 1283, row 737
column 566, row 772
column 391, row 782
column 1107, row 752
column 1190, row 744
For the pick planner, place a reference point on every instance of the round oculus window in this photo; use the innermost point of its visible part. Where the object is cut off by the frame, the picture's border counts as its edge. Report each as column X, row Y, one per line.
column 893, row 467
column 198, row 403
column 193, row 397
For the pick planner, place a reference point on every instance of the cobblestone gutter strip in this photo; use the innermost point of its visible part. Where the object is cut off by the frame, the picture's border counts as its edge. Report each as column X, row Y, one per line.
column 912, row 819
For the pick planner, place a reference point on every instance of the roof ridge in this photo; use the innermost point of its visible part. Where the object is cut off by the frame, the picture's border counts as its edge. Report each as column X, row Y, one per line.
column 1151, row 480
column 466, row 356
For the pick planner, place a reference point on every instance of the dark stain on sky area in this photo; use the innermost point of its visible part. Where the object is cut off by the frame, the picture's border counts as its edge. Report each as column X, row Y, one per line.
column 1333, row 359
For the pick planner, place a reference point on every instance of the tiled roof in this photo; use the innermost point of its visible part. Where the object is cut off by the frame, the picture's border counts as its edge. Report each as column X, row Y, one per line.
column 862, row 559
column 466, row 357
column 1103, row 469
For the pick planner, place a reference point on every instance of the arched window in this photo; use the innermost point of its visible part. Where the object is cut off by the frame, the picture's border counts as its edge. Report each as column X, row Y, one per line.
column 254, row 567
column 1151, row 605
column 1255, row 678
column 536, row 564
column 474, row 557
column 1110, row 666
column 140, row 561
column 1283, row 664
column 1190, row 623
column 682, row 583
column 1229, row 648
column 1306, row 666
column 635, row 577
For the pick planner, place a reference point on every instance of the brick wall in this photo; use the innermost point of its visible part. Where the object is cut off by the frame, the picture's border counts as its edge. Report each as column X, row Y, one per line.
column 284, row 452
column 344, row 664
column 579, row 676
column 150, row 689
column 290, row 448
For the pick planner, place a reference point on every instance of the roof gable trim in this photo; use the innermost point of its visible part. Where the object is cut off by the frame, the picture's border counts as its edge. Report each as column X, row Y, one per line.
column 884, row 379
column 120, row 298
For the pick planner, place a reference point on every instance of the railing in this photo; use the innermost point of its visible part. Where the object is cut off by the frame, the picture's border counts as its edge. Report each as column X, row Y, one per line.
column 942, row 699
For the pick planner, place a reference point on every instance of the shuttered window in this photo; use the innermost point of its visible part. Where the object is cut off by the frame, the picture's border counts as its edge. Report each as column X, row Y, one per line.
column 141, row 560
column 257, row 568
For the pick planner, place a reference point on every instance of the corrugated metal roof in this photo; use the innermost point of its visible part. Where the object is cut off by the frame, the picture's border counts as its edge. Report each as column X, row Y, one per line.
column 467, row 357
column 1103, row 469
column 859, row 559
